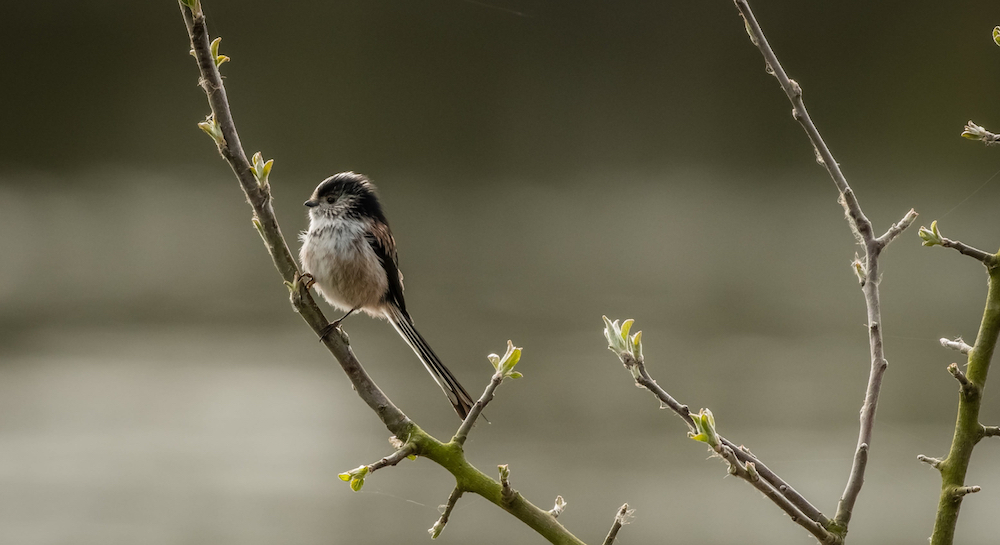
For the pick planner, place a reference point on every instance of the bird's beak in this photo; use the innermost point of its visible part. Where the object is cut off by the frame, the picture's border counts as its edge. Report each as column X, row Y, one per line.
column 311, row 203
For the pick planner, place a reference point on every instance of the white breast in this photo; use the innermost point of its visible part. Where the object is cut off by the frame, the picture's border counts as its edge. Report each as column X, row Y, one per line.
column 348, row 273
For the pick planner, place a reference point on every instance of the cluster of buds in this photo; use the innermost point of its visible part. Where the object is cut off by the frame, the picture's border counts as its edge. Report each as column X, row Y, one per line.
column 931, row 237
column 628, row 349
column 504, row 365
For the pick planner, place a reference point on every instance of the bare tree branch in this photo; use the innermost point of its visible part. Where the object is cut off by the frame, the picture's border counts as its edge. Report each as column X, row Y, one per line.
column 438, row 527
column 621, row 519
column 862, row 228
column 987, row 258
column 741, row 461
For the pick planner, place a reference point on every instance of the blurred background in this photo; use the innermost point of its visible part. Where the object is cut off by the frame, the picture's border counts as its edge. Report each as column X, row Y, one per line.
column 542, row 164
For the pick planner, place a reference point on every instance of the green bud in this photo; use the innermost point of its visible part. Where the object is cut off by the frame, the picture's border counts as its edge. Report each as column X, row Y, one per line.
column 974, row 132
column 505, row 364
column 931, row 237
column 495, row 360
column 704, row 423
column 637, row 346
column 613, row 332
column 356, row 477
column 996, row 35
column 195, row 5
column 260, row 169
column 212, row 129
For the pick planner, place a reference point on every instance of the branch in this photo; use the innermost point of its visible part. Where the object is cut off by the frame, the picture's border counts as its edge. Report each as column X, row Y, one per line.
column 968, row 430
column 629, row 351
column 957, row 344
column 933, row 462
column 254, row 182
column 504, row 366
column 259, row 197
column 862, row 229
column 622, row 518
column 991, row 431
column 967, row 387
column 435, row 530
column 897, row 229
column 932, row 237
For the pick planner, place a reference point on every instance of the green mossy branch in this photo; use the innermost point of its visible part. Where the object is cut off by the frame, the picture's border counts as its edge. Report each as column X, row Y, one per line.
column 968, row 429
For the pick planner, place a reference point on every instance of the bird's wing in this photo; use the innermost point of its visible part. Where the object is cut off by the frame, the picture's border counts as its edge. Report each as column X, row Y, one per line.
column 380, row 239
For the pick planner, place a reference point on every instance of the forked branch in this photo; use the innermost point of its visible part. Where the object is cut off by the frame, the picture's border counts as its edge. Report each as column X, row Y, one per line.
column 868, row 269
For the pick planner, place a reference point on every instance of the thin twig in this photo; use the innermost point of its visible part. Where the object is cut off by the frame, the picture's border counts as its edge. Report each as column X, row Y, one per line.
column 393, row 459
column 960, row 377
column 873, row 246
column 774, row 487
column 438, row 527
column 897, row 229
column 621, row 519
column 477, row 409
column 933, row 462
column 957, row 344
column 988, row 259
column 991, row 431
column 965, row 491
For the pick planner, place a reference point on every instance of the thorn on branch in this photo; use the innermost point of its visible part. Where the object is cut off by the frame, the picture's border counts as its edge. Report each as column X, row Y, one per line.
column 933, row 462
column 623, row 517
column 957, row 344
column 446, row 510
column 559, row 507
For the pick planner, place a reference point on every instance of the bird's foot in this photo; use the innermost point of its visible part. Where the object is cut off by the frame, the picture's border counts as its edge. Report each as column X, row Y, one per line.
column 330, row 328
column 307, row 279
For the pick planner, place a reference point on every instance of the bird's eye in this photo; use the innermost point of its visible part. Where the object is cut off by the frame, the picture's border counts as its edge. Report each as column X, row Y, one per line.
column 330, row 199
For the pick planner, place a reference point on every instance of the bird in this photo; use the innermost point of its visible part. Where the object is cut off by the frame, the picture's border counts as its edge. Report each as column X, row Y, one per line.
column 349, row 255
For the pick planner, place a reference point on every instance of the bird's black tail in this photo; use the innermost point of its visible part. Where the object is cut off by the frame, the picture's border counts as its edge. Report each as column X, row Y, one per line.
column 459, row 398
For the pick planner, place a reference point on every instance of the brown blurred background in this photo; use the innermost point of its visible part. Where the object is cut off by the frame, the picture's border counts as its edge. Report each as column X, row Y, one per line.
column 542, row 164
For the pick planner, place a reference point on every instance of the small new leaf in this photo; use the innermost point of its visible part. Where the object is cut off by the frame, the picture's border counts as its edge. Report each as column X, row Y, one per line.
column 505, row 364
column 219, row 59
column 261, row 169
column 931, row 237
column 504, row 472
column 619, row 341
column 996, row 35
column 195, row 5
column 704, row 423
column 356, row 477
column 212, row 129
